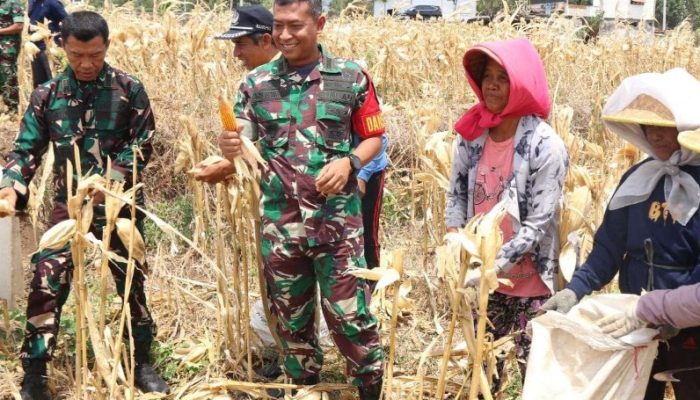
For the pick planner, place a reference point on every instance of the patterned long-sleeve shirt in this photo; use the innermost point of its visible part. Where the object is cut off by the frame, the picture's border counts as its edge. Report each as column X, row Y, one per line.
column 104, row 118
column 534, row 194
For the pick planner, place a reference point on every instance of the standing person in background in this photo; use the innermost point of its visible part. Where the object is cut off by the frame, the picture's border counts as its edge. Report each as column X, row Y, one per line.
column 506, row 150
column 11, row 24
column 251, row 34
column 42, row 11
column 305, row 108
column 370, row 181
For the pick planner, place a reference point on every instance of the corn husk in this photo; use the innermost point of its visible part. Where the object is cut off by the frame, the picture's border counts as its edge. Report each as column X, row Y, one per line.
column 58, row 236
column 124, row 230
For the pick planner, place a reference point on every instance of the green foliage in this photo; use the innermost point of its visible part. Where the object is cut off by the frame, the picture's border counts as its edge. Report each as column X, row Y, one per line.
column 162, row 356
column 492, row 7
column 337, row 6
column 677, row 11
column 179, row 212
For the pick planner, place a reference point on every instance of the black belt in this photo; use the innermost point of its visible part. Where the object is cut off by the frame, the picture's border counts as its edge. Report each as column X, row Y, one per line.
column 649, row 261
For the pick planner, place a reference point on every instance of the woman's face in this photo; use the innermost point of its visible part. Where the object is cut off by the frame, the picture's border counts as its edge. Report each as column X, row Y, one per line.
column 495, row 87
column 664, row 140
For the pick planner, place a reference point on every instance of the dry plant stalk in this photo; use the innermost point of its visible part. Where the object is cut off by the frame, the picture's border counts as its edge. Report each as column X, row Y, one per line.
column 191, row 148
column 397, row 265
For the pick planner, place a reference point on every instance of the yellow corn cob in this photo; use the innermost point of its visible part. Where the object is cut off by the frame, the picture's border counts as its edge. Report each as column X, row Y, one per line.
column 226, row 113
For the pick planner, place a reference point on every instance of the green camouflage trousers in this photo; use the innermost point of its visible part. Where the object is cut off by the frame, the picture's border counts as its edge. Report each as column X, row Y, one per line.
column 9, row 86
column 50, row 286
column 292, row 272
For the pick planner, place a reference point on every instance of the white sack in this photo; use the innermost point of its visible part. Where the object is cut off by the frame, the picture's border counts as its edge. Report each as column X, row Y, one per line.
column 11, row 280
column 571, row 359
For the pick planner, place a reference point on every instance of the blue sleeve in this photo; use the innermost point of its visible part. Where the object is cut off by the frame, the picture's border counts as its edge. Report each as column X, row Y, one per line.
column 609, row 247
column 378, row 164
column 57, row 13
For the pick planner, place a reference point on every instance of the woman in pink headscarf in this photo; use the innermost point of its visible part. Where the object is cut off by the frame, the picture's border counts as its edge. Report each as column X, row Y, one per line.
column 506, row 151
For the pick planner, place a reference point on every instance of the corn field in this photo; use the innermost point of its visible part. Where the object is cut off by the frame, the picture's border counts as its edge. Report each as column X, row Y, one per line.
column 203, row 243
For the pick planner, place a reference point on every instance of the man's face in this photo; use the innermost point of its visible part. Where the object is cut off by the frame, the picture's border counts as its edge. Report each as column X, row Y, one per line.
column 664, row 140
column 86, row 58
column 295, row 32
column 252, row 55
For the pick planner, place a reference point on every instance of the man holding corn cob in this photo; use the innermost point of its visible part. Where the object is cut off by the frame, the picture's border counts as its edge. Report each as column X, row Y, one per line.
column 104, row 116
column 250, row 31
column 305, row 108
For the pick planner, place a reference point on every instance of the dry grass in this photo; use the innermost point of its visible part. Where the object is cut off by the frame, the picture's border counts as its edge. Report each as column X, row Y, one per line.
column 417, row 69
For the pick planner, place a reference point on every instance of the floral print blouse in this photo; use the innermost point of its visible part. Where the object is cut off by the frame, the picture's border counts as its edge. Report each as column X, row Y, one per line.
column 533, row 194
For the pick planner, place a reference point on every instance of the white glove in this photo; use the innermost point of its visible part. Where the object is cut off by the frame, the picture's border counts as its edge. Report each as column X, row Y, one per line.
column 472, row 278
column 621, row 323
column 562, row 301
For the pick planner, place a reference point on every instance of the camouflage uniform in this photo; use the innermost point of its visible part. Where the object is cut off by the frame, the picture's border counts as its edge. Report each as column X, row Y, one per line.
column 303, row 123
column 11, row 12
column 103, row 118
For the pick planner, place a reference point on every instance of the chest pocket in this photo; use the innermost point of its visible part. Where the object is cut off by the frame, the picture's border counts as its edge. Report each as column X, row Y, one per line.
column 6, row 16
column 111, row 123
column 273, row 115
column 63, row 124
column 333, row 113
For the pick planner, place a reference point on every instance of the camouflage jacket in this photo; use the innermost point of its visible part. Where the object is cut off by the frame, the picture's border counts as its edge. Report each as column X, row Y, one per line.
column 11, row 12
column 302, row 124
column 103, row 118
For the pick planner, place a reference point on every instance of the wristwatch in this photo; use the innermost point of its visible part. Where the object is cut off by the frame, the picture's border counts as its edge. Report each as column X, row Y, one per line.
column 355, row 163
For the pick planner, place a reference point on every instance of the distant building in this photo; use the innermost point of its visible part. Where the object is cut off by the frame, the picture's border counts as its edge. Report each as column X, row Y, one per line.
column 632, row 11
column 461, row 9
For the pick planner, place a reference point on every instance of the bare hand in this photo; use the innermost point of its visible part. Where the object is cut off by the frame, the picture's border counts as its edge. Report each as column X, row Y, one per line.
column 334, row 176
column 230, row 143
column 362, row 186
column 10, row 196
column 214, row 173
column 98, row 197
column 453, row 229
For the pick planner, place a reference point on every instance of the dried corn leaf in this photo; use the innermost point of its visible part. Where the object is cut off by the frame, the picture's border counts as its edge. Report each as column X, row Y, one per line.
column 124, row 230
column 58, row 236
column 383, row 276
column 86, row 215
column 211, row 160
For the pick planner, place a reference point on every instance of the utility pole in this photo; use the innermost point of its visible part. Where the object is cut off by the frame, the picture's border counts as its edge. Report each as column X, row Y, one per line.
column 663, row 23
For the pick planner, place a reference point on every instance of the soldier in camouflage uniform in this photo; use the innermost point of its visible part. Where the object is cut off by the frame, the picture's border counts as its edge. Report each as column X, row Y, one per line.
column 105, row 113
column 11, row 23
column 304, row 108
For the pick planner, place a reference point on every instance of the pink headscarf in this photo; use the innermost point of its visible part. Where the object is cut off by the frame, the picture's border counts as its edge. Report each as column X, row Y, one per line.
column 529, row 93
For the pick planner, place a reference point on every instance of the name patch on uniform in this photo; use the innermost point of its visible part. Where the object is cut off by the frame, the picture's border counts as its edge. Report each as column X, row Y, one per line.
column 266, row 95
column 336, row 95
column 340, row 85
